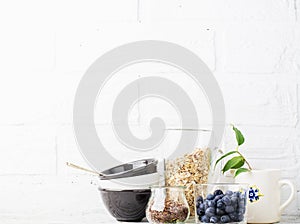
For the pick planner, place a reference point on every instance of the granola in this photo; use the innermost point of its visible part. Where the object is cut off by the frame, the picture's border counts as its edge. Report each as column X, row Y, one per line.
column 173, row 212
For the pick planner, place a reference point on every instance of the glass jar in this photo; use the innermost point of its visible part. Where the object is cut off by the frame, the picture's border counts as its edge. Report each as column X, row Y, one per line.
column 167, row 205
column 190, row 161
column 221, row 203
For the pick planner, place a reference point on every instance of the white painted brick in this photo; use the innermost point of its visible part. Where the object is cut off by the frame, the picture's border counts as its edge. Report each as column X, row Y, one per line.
column 273, row 142
column 290, row 59
column 27, row 36
column 29, row 40
column 217, row 11
column 77, row 35
column 27, row 150
column 66, row 87
column 259, row 100
column 169, row 112
column 296, row 148
column 28, row 97
column 80, row 14
column 78, row 48
column 297, row 8
column 264, row 157
column 74, row 60
column 148, row 108
column 68, row 151
column 255, row 48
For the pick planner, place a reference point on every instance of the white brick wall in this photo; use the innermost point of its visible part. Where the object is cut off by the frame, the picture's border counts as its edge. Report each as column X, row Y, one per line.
column 252, row 46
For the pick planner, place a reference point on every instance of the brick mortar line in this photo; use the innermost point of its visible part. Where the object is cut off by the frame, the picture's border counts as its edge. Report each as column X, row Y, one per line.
column 138, row 15
column 56, row 154
column 296, row 10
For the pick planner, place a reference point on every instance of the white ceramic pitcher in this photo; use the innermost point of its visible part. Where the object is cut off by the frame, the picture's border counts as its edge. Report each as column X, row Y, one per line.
column 264, row 195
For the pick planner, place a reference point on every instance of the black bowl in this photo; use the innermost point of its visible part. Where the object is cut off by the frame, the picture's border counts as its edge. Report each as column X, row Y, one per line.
column 126, row 205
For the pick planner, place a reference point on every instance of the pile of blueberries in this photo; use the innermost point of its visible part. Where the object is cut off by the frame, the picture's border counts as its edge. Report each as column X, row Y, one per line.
column 221, row 208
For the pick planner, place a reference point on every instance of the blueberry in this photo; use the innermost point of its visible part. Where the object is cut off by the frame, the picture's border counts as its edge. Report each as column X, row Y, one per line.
column 242, row 204
column 204, row 219
column 241, row 210
column 226, row 200
column 214, row 219
column 220, row 211
column 225, row 219
column 218, row 192
column 236, row 194
column 220, row 204
column 229, row 193
column 202, row 207
column 233, row 216
column 218, row 197
column 200, row 212
column 234, row 199
column 243, row 197
column 240, row 217
column 211, row 204
column 205, row 203
column 235, row 206
column 215, row 202
column 210, row 197
column 210, row 211
column 200, row 199
column 229, row 209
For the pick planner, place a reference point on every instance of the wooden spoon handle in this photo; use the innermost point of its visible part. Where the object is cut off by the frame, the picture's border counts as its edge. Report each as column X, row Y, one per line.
column 84, row 169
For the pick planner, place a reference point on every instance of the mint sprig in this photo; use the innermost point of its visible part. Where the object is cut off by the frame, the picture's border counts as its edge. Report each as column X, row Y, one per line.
column 236, row 163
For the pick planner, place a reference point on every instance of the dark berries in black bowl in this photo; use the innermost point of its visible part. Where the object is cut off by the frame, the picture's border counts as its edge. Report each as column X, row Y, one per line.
column 221, row 207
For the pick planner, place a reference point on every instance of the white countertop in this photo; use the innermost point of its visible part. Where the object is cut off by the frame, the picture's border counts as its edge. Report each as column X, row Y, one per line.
column 90, row 216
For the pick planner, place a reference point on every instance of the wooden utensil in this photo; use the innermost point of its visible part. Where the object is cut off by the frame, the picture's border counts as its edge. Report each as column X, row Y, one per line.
column 84, row 169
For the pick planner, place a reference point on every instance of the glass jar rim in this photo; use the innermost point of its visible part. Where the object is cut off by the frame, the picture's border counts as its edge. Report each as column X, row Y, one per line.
column 167, row 187
column 188, row 129
column 222, row 184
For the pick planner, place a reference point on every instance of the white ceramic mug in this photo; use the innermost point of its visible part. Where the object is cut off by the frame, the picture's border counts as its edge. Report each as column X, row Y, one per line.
column 264, row 195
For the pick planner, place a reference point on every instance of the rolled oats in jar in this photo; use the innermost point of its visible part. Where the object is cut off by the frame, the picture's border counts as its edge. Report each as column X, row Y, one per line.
column 192, row 168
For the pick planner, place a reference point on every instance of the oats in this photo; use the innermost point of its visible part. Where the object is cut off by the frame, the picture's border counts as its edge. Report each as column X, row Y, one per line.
column 188, row 170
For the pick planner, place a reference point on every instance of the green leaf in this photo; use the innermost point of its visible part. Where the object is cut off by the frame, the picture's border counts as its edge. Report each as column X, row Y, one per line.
column 222, row 157
column 239, row 164
column 234, row 163
column 238, row 135
column 241, row 170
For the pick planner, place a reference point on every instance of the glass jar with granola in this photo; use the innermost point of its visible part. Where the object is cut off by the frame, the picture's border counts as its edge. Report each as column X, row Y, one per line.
column 167, row 205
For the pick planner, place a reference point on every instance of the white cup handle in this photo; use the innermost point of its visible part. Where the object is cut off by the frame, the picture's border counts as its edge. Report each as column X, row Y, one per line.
column 292, row 195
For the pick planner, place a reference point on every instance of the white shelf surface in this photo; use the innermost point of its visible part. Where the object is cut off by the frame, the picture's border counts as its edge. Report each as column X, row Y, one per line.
column 94, row 216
